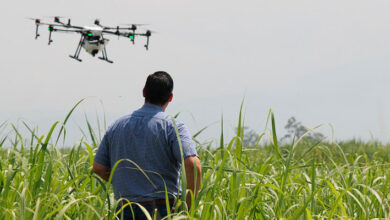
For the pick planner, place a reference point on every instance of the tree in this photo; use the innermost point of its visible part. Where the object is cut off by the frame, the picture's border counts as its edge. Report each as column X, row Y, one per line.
column 250, row 136
column 296, row 129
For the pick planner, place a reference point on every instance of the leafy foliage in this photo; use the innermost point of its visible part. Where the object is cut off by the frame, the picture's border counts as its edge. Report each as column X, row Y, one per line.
column 306, row 180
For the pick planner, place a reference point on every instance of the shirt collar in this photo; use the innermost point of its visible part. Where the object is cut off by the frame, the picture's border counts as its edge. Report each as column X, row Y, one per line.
column 149, row 106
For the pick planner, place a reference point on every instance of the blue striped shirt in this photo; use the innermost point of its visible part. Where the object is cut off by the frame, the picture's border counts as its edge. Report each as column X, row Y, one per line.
column 146, row 139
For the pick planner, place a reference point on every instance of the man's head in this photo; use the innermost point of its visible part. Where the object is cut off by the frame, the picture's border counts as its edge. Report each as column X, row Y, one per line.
column 158, row 88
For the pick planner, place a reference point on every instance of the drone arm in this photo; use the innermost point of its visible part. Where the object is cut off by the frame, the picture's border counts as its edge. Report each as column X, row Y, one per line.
column 122, row 34
column 110, row 32
column 51, row 29
column 68, row 31
column 116, row 28
column 62, row 25
column 133, row 34
column 76, row 27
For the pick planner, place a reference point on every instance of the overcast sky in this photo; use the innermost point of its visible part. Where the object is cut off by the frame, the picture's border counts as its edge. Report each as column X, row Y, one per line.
column 320, row 61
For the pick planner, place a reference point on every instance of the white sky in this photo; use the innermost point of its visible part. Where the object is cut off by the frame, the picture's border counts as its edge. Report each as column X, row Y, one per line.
column 320, row 61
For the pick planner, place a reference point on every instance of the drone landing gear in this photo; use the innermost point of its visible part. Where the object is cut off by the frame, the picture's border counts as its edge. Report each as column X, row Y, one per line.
column 78, row 50
column 104, row 57
column 73, row 57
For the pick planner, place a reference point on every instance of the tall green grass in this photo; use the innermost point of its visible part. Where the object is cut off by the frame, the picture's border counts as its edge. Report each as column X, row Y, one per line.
column 301, row 180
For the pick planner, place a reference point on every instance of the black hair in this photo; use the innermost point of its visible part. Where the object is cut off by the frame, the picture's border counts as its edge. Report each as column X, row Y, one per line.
column 158, row 88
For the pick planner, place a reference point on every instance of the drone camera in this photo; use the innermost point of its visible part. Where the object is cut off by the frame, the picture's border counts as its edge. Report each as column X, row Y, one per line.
column 57, row 19
column 37, row 21
column 97, row 22
column 133, row 27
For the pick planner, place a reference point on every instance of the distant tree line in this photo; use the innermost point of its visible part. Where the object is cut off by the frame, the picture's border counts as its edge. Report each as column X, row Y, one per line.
column 297, row 130
column 294, row 129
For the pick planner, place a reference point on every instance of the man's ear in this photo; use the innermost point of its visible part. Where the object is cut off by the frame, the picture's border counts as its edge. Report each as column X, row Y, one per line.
column 143, row 92
column 170, row 97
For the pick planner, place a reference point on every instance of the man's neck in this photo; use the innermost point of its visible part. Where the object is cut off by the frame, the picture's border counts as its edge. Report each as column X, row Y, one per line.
column 163, row 106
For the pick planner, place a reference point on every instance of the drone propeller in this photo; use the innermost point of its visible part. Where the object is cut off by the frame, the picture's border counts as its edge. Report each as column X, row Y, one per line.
column 54, row 16
column 35, row 19
column 135, row 24
column 128, row 27
column 56, row 19
column 149, row 33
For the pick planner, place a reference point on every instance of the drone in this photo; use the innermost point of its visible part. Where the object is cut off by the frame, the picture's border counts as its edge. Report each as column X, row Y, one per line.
column 92, row 39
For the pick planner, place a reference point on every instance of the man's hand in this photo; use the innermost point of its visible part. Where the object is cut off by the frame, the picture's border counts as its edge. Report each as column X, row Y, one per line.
column 102, row 171
column 191, row 163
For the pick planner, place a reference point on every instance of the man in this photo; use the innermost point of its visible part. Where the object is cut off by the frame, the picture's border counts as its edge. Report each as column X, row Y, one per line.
column 147, row 141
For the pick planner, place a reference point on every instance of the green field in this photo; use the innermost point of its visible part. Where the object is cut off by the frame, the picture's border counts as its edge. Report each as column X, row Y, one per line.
column 303, row 180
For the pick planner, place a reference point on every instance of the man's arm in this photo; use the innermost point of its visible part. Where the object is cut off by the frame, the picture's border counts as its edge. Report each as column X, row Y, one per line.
column 192, row 165
column 101, row 170
column 101, row 165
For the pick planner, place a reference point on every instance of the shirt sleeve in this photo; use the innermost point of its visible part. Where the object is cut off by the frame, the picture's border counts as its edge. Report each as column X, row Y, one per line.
column 103, row 153
column 188, row 145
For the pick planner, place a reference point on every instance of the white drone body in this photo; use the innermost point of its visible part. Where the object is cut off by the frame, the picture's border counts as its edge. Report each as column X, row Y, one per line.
column 94, row 47
column 92, row 39
column 94, row 42
column 95, row 30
